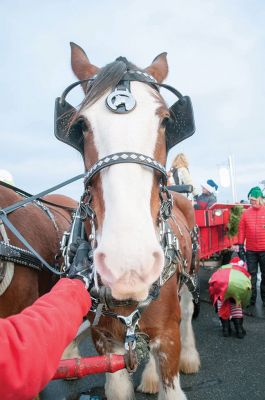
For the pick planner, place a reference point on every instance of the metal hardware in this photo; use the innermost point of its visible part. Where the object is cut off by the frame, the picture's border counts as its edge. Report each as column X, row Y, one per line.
column 121, row 101
column 130, row 322
column 166, row 203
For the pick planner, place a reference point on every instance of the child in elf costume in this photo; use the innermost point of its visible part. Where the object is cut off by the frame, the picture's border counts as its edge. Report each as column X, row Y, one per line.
column 230, row 290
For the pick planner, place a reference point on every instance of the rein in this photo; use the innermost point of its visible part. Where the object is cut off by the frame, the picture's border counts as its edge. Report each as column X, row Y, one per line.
column 38, row 196
column 26, row 194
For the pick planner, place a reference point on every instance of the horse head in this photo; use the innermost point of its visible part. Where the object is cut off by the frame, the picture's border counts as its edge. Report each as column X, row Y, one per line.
column 123, row 117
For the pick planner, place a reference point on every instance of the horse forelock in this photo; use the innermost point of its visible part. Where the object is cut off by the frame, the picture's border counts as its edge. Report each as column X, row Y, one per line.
column 108, row 77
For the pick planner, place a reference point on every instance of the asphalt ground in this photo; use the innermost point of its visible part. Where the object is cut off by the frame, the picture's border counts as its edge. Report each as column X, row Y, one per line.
column 231, row 368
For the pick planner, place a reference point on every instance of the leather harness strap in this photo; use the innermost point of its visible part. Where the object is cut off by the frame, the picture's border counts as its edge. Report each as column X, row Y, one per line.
column 38, row 196
column 26, row 194
column 4, row 219
column 20, row 256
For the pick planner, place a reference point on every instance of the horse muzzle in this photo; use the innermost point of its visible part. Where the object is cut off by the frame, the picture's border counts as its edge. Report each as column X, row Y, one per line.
column 124, row 278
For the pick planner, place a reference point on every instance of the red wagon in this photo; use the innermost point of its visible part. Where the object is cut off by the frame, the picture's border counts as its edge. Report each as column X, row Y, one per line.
column 213, row 227
column 215, row 237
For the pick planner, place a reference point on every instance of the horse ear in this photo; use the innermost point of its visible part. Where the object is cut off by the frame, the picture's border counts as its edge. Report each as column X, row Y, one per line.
column 159, row 67
column 80, row 63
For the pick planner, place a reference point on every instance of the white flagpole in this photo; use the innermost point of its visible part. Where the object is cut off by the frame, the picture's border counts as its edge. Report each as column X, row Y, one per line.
column 232, row 176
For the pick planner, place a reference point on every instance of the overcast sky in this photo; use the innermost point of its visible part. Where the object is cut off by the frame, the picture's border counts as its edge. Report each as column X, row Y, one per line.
column 216, row 52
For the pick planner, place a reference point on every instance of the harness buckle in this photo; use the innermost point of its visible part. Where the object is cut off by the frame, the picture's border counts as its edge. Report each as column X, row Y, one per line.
column 130, row 322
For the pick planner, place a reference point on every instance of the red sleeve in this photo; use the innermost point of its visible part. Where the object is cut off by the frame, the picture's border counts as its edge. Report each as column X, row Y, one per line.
column 32, row 342
column 241, row 229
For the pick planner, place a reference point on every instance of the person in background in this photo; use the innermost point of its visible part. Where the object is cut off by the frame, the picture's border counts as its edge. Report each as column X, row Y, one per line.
column 208, row 196
column 32, row 342
column 6, row 176
column 230, row 289
column 243, row 201
column 251, row 233
column 179, row 173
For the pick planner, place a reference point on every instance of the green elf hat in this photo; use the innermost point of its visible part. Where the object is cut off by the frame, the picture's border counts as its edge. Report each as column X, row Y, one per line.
column 255, row 192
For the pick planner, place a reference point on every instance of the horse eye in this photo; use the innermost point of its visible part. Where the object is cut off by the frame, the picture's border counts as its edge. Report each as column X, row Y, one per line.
column 83, row 125
column 165, row 122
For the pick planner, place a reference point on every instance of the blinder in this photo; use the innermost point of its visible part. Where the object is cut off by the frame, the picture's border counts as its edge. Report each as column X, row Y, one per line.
column 179, row 126
column 64, row 130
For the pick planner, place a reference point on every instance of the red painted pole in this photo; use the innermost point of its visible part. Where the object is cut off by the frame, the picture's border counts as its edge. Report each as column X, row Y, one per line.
column 79, row 367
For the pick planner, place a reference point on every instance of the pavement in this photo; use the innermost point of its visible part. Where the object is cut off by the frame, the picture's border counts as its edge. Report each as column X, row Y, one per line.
column 231, row 368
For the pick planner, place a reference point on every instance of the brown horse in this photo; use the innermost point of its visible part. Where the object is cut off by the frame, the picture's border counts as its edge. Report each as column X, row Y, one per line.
column 123, row 130
column 42, row 226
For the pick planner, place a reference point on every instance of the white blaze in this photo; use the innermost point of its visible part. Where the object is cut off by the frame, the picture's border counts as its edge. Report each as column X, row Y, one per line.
column 129, row 257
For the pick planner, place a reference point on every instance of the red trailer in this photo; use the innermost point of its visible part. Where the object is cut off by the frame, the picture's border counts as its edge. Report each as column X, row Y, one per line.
column 213, row 228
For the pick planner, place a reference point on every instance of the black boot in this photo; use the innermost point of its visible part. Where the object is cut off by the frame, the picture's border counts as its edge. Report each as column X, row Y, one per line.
column 240, row 331
column 252, row 301
column 226, row 327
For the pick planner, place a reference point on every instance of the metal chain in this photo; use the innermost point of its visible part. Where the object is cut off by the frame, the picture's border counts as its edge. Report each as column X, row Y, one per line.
column 166, row 203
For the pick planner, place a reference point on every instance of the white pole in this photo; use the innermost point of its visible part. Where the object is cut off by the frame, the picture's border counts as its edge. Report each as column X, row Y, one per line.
column 234, row 168
column 232, row 176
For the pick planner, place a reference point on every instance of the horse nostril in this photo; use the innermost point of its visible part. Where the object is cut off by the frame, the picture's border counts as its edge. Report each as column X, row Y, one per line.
column 101, row 266
column 153, row 268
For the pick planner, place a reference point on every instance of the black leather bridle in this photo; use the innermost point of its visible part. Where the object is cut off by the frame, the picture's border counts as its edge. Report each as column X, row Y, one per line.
column 122, row 158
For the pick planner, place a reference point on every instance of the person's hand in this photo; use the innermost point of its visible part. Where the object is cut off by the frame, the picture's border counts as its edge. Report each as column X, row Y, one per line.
column 242, row 253
column 73, row 249
column 81, row 266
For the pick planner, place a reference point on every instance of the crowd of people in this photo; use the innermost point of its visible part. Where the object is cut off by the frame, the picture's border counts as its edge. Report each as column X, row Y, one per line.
column 251, row 250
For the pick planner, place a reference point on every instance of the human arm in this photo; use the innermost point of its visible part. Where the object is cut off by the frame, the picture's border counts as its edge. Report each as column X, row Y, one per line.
column 185, row 179
column 175, row 176
column 32, row 342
